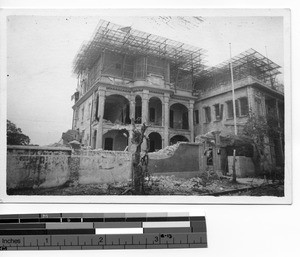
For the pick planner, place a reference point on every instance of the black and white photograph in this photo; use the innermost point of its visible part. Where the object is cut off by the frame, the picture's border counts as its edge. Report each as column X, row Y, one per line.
column 175, row 106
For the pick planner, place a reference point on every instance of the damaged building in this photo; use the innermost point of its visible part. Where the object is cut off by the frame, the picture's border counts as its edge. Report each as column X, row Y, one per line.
column 256, row 90
column 125, row 74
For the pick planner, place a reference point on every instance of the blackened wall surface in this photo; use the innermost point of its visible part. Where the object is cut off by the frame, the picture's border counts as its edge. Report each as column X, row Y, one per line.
column 184, row 159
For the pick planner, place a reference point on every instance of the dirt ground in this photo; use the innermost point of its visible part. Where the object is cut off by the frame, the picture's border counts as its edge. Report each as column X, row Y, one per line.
column 264, row 190
column 166, row 185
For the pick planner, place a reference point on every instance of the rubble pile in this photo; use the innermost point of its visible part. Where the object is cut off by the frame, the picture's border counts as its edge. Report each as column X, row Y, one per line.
column 165, row 152
column 160, row 185
column 205, row 183
column 171, row 185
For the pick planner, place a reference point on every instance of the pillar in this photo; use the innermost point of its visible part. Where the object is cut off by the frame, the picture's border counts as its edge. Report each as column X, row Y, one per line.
column 191, row 119
column 166, row 119
column 202, row 157
column 145, row 106
column 132, row 116
column 217, row 152
column 132, row 108
column 251, row 100
column 263, row 105
column 101, row 93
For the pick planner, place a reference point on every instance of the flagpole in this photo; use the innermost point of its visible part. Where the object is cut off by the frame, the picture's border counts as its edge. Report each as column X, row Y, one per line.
column 271, row 81
column 232, row 89
column 234, row 118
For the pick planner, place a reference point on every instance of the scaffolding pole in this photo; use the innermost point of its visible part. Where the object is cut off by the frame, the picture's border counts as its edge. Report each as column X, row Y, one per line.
column 233, row 96
column 234, row 118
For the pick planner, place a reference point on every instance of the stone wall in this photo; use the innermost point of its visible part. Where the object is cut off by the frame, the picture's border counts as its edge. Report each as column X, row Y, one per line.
column 31, row 166
column 45, row 167
column 183, row 162
column 244, row 166
column 100, row 166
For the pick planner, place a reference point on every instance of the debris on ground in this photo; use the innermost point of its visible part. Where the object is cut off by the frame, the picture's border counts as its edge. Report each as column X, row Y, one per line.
column 202, row 185
column 208, row 183
column 264, row 190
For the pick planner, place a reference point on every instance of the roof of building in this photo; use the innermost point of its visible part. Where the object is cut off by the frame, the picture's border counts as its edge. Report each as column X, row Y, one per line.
column 134, row 42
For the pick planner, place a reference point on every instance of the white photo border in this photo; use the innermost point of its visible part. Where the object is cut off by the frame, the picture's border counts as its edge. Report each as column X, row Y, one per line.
column 287, row 199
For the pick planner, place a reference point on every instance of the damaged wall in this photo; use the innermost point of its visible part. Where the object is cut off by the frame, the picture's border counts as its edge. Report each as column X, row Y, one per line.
column 45, row 167
column 183, row 162
column 116, row 109
column 119, row 140
column 31, row 166
column 103, row 167
column 82, row 119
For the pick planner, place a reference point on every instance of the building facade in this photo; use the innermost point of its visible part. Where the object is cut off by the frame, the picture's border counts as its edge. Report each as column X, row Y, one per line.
column 126, row 75
column 256, row 91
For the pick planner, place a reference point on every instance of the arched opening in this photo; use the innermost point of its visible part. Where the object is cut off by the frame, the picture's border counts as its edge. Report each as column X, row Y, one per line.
column 178, row 138
column 115, row 140
column 116, row 109
column 155, row 141
column 179, row 116
column 138, row 109
column 155, row 111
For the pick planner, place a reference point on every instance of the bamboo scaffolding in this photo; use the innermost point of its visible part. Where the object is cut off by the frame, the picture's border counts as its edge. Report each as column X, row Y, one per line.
column 114, row 38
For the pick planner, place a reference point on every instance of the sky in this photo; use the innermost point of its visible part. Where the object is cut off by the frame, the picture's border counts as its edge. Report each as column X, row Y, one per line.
column 41, row 50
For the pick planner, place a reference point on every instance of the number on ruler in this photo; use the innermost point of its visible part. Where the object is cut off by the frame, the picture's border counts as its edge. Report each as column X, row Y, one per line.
column 100, row 239
column 166, row 235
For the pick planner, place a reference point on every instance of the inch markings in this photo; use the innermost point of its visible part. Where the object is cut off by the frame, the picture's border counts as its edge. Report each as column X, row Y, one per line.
column 82, row 231
column 126, row 241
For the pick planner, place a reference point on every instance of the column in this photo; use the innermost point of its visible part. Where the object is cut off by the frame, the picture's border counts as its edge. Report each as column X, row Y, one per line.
column 145, row 106
column 132, row 117
column 191, row 119
column 217, row 153
column 251, row 102
column 202, row 157
column 263, row 105
column 166, row 119
column 101, row 93
column 132, row 108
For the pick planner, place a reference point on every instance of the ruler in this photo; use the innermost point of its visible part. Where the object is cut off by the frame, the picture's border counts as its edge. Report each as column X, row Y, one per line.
column 82, row 231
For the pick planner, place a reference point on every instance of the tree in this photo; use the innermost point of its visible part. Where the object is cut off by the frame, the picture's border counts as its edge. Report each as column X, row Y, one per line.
column 260, row 129
column 15, row 135
column 140, row 164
